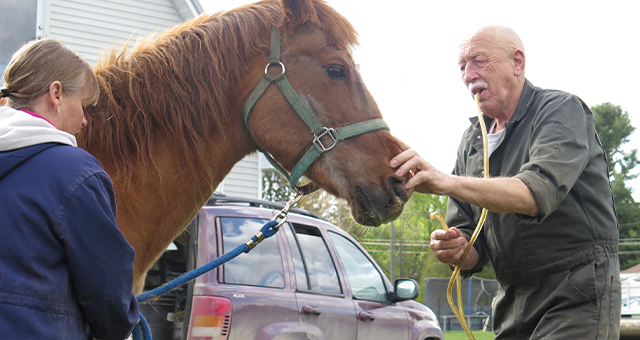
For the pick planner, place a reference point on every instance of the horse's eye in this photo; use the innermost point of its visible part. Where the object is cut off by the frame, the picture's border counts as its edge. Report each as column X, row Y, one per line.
column 336, row 73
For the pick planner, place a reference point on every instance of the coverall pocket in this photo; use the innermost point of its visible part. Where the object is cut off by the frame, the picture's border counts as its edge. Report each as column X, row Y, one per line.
column 583, row 280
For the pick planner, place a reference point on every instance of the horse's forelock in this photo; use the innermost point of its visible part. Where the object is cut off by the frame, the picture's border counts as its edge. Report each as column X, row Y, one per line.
column 338, row 28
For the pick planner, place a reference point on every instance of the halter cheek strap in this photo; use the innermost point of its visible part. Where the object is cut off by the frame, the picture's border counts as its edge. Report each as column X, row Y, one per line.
column 331, row 135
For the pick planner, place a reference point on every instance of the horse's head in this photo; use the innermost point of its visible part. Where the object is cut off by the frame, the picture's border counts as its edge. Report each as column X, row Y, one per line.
column 317, row 60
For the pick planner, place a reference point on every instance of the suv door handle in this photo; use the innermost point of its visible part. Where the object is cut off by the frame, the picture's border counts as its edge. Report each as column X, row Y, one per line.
column 366, row 316
column 310, row 310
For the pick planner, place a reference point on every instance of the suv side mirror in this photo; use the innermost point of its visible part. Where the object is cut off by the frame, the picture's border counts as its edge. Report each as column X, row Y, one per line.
column 405, row 289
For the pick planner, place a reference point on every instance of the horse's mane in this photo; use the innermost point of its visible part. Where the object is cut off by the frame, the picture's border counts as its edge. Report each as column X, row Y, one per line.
column 181, row 80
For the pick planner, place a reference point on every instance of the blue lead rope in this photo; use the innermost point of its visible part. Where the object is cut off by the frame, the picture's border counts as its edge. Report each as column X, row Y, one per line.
column 142, row 331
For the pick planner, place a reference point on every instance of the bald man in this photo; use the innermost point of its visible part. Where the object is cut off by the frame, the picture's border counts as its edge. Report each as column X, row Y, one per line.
column 551, row 232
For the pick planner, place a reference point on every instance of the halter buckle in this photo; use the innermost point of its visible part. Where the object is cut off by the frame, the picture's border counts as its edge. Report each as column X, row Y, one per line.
column 327, row 131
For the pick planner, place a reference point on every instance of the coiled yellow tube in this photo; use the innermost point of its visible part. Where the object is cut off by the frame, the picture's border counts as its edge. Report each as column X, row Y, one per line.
column 455, row 277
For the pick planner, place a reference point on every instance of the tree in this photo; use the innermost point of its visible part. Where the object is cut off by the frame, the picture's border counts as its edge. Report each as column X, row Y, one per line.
column 418, row 225
column 614, row 129
column 275, row 187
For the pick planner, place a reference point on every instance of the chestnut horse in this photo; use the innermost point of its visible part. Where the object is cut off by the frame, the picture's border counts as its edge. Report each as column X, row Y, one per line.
column 169, row 124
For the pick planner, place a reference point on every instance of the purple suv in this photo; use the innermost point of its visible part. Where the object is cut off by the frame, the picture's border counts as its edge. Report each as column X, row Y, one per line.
column 311, row 280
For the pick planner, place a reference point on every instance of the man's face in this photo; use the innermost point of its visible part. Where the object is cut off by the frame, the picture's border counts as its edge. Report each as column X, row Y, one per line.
column 487, row 70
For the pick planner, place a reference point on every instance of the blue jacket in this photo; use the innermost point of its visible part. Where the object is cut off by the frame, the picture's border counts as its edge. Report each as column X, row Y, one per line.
column 63, row 261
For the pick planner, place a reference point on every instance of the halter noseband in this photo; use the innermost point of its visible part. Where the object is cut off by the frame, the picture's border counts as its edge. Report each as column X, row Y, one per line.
column 317, row 148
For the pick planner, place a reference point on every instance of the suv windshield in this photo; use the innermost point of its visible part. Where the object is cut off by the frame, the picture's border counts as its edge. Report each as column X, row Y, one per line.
column 364, row 278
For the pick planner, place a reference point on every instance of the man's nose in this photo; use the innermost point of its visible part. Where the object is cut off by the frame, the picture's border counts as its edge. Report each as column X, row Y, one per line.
column 469, row 74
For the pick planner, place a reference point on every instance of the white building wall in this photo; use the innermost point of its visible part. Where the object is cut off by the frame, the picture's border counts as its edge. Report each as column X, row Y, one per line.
column 244, row 180
column 91, row 27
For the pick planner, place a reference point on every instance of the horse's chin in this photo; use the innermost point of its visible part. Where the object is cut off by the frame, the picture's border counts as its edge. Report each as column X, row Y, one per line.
column 363, row 212
column 373, row 207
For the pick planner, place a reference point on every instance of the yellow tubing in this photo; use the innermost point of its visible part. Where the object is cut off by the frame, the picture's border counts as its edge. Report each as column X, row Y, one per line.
column 455, row 277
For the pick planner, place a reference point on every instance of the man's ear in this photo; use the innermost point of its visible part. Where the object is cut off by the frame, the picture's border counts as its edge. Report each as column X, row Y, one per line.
column 518, row 62
column 55, row 93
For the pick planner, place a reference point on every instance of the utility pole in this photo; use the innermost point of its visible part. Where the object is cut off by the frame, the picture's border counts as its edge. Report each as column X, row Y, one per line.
column 401, row 274
column 393, row 252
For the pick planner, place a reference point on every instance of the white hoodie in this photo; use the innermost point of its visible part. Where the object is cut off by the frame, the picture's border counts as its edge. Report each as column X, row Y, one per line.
column 19, row 129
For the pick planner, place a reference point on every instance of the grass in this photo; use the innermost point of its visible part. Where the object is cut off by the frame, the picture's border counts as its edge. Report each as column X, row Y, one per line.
column 461, row 335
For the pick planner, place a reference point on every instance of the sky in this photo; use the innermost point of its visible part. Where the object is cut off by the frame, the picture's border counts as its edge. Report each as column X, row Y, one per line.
column 409, row 48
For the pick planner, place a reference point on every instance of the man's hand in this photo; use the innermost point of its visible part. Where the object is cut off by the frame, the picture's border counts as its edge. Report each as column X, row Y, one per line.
column 425, row 178
column 449, row 245
column 504, row 195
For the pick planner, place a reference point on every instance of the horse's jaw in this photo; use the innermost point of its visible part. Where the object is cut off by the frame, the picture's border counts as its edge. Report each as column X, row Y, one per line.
column 373, row 206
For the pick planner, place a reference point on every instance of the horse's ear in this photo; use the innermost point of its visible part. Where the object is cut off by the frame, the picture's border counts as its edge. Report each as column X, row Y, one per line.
column 299, row 11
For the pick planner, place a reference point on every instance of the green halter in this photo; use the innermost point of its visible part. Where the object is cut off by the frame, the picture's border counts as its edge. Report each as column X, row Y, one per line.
column 318, row 130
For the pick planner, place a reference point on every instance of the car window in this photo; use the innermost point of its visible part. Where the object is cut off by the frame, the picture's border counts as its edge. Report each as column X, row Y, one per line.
column 302, row 279
column 364, row 278
column 262, row 266
column 314, row 267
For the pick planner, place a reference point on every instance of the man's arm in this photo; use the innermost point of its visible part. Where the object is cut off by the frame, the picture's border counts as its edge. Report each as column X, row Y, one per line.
column 500, row 195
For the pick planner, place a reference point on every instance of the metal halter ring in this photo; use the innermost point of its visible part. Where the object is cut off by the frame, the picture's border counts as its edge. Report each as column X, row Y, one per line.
column 273, row 64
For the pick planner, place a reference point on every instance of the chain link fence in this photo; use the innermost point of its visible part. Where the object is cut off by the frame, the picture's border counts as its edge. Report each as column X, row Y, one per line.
column 477, row 295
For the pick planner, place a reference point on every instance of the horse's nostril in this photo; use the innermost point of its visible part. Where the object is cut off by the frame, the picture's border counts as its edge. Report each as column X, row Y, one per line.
column 397, row 186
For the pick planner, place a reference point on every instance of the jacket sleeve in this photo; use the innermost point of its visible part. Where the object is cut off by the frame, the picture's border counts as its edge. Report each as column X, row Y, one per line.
column 100, row 259
column 558, row 154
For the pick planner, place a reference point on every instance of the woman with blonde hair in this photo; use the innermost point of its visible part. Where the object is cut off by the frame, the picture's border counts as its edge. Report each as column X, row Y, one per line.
column 63, row 261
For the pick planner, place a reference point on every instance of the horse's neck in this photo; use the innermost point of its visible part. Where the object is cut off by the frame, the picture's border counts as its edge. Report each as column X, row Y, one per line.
column 156, row 200
column 161, row 199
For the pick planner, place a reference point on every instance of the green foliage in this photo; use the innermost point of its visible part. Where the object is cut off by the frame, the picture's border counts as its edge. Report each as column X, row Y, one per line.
column 614, row 128
column 461, row 335
column 275, row 187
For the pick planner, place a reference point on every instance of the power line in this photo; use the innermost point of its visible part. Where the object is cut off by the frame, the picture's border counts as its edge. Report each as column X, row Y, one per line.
column 404, row 251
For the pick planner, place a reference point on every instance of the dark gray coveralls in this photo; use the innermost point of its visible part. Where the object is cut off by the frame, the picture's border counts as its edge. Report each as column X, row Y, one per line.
column 559, row 271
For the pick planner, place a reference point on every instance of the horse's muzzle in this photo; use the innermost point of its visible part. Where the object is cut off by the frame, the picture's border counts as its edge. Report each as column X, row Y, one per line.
column 375, row 205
